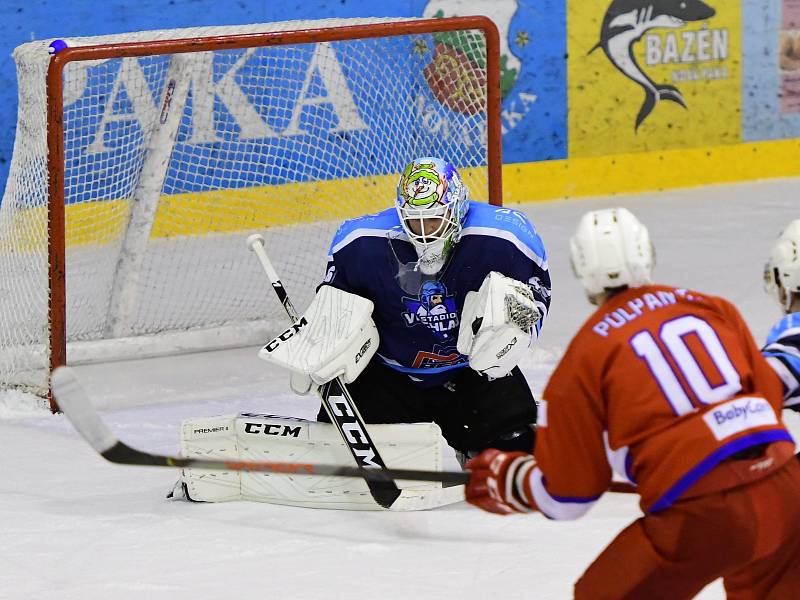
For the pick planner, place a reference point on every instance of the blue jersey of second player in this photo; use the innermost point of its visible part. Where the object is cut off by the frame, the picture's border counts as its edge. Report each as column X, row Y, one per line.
column 782, row 351
column 419, row 328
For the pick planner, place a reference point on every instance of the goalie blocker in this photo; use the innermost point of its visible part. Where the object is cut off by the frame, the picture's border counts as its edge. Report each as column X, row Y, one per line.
column 335, row 337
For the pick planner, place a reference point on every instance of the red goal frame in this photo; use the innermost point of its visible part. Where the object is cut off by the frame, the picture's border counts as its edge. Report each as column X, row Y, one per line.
column 55, row 124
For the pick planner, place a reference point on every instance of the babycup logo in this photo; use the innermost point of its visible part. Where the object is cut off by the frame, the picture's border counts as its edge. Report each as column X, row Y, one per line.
column 738, row 415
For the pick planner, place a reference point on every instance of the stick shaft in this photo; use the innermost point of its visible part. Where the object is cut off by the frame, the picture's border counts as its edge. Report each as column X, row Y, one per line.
column 257, row 246
column 123, row 454
column 337, row 401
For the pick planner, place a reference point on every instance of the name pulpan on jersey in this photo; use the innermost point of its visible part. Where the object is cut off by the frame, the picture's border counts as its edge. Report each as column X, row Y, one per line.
column 636, row 307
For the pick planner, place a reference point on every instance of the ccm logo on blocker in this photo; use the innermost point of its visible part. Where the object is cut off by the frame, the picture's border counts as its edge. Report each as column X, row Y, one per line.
column 286, row 335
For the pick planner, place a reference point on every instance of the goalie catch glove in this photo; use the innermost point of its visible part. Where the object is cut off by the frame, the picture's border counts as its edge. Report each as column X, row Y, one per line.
column 498, row 325
column 335, row 337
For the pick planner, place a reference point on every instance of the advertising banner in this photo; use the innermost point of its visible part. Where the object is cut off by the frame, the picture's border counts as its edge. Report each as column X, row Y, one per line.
column 595, row 80
column 533, row 47
column 771, row 56
column 647, row 76
column 533, row 71
column 789, row 57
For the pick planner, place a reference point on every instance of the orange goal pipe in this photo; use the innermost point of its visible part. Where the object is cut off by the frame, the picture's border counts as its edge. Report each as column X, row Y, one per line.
column 55, row 124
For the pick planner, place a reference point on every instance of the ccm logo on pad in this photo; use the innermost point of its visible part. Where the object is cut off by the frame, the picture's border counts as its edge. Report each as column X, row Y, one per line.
column 272, row 429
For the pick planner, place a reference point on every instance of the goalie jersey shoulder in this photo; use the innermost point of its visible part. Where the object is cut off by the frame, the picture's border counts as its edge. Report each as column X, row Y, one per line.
column 482, row 220
column 506, row 224
column 782, row 352
column 374, row 225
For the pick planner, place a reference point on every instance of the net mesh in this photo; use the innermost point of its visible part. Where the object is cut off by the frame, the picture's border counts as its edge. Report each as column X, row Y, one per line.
column 171, row 161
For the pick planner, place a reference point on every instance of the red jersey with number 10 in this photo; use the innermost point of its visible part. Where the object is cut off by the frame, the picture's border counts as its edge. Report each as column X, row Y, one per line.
column 662, row 383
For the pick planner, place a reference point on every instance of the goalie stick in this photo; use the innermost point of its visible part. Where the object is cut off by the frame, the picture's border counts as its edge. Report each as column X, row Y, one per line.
column 76, row 405
column 336, row 400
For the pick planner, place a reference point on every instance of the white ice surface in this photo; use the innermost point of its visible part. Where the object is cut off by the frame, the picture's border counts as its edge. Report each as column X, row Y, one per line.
column 75, row 527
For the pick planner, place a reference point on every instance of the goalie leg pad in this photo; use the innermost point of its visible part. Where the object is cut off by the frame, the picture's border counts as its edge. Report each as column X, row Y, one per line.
column 283, row 439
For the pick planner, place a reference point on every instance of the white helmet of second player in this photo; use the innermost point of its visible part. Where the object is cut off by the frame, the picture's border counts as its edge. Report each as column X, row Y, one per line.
column 783, row 267
column 611, row 249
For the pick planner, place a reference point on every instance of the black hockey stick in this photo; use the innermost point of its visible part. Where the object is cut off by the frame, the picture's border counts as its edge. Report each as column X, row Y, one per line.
column 76, row 405
column 336, row 400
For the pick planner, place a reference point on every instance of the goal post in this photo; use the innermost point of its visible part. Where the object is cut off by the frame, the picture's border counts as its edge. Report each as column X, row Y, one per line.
column 164, row 150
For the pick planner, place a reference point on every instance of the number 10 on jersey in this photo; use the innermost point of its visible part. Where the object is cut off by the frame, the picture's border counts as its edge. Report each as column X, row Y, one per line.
column 672, row 335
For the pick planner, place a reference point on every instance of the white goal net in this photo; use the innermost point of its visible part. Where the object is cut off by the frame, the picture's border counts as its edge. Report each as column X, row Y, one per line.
column 171, row 160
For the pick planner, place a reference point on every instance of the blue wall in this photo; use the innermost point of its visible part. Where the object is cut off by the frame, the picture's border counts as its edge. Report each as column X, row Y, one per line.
column 44, row 19
column 535, row 103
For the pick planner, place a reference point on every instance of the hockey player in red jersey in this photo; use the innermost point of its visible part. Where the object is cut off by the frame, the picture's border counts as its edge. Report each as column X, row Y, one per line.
column 667, row 387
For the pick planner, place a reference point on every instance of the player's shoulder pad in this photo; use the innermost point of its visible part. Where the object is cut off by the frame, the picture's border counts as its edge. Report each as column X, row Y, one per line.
column 508, row 224
column 373, row 225
column 788, row 325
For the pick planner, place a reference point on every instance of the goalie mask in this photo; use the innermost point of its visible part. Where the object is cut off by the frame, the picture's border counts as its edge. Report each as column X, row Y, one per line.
column 783, row 267
column 432, row 204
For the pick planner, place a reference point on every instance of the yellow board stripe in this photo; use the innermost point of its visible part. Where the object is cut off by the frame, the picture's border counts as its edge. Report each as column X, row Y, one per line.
column 272, row 206
column 227, row 211
column 652, row 171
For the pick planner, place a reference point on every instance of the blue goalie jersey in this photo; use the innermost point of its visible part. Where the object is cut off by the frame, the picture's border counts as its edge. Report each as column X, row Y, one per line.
column 417, row 316
column 782, row 352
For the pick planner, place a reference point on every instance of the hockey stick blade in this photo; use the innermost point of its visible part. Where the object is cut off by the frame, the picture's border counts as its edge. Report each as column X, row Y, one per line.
column 75, row 404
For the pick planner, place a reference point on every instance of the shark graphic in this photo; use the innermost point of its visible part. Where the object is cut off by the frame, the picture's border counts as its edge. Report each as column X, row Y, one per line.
column 624, row 24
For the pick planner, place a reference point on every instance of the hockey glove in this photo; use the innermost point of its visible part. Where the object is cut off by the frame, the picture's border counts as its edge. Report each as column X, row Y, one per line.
column 497, row 481
column 336, row 336
column 498, row 325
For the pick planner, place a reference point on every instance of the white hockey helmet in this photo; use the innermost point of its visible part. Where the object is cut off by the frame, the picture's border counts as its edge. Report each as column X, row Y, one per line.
column 783, row 267
column 611, row 249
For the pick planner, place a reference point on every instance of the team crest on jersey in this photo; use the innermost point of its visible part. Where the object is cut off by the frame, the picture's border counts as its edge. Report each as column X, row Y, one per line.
column 433, row 309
